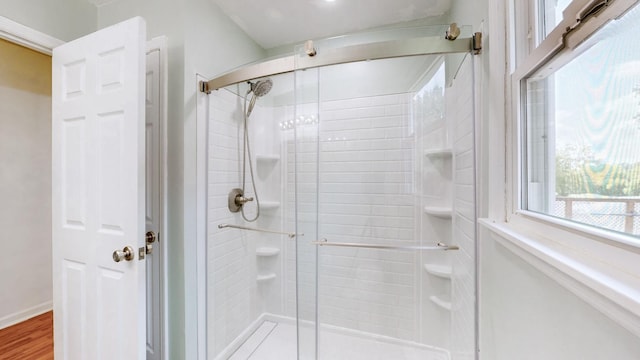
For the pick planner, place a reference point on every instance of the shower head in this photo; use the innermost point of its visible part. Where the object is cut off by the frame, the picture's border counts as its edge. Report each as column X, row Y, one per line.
column 259, row 88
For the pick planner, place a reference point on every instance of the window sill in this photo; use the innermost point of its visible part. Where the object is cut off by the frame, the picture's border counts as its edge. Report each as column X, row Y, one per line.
column 604, row 275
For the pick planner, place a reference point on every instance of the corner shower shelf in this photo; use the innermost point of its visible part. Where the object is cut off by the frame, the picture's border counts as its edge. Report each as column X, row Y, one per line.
column 442, row 271
column 264, row 278
column 444, row 152
column 267, row 158
column 438, row 211
column 267, row 251
column 269, row 205
column 445, row 304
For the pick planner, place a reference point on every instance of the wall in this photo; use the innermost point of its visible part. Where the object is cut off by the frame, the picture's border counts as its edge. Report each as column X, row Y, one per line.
column 461, row 112
column 524, row 314
column 431, row 105
column 231, row 260
column 202, row 28
column 522, row 308
column 367, row 195
column 62, row 19
column 235, row 296
column 196, row 31
column 213, row 45
column 25, row 178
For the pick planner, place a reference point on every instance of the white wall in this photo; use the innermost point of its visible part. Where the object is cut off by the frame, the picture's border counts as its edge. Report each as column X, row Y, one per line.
column 367, row 195
column 527, row 315
column 524, row 314
column 464, row 230
column 235, row 298
column 201, row 41
column 214, row 45
column 62, row 19
column 25, row 183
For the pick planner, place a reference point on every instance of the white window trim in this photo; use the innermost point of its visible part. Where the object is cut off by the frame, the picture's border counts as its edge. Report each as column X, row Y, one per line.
column 601, row 267
column 581, row 265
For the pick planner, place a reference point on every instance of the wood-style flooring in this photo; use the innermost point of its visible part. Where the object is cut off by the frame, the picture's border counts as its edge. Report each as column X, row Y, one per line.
column 28, row 340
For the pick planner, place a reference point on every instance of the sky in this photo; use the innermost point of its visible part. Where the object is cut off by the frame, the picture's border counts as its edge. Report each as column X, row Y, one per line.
column 595, row 104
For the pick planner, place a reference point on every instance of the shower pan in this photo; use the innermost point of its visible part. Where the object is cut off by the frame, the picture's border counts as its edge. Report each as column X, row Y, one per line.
column 363, row 244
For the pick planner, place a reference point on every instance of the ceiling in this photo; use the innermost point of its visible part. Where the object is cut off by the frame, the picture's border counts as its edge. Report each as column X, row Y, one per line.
column 272, row 23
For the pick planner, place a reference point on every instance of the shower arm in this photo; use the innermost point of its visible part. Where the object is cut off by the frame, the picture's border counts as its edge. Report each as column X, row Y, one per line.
column 438, row 246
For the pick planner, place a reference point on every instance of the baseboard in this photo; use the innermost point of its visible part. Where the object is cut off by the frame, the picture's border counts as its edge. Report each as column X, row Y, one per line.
column 26, row 314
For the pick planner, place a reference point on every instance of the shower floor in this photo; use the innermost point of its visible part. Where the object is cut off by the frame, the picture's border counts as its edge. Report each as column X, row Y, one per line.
column 274, row 340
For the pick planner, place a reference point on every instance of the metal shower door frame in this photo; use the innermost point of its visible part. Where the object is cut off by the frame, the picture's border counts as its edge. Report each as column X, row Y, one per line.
column 374, row 51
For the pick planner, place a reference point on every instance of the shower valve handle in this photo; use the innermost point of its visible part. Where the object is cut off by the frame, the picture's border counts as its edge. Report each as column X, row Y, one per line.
column 241, row 200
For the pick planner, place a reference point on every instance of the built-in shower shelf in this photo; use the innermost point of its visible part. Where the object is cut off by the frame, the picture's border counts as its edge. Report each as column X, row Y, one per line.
column 265, row 278
column 269, row 205
column 438, row 211
column 267, row 158
column 442, row 271
column 444, row 152
column 267, row 251
column 445, row 304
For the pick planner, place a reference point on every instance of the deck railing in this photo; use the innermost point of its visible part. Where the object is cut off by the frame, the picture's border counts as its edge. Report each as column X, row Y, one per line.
column 629, row 214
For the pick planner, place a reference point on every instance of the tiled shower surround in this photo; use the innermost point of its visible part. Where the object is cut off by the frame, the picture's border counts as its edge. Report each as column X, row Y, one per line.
column 359, row 170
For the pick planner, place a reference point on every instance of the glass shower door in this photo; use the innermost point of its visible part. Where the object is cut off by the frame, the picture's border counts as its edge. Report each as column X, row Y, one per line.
column 303, row 181
column 364, row 247
column 386, row 162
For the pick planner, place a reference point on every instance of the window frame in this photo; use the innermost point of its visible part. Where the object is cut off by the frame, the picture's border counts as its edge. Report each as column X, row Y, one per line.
column 593, row 263
column 556, row 50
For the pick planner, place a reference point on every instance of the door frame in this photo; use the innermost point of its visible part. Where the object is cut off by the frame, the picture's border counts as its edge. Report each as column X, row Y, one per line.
column 33, row 39
column 160, row 44
column 23, row 35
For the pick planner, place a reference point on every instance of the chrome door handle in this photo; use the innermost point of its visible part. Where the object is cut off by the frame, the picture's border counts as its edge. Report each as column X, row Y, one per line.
column 124, row 254
column 151, row 237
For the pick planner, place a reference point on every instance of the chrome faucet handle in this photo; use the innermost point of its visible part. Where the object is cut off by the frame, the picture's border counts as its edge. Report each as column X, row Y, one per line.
column 241, row 200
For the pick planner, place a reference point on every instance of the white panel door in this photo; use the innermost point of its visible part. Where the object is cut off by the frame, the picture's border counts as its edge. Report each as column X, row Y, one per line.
column 98, row 194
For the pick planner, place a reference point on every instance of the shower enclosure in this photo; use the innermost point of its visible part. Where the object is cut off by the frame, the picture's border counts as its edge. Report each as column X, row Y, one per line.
column 364, row 245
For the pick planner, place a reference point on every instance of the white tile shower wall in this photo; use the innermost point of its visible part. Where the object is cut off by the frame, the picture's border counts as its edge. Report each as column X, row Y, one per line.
column 234, row 298
column 367, row 194
column 460, row 112
column 436, row 181
column 300, row 293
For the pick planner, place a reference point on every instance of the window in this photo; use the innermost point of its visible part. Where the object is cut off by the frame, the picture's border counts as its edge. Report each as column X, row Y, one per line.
column 580, row 120
column 549, row 16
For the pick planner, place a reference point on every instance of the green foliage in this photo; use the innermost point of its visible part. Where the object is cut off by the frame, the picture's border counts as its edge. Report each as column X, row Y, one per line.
column 577, row 172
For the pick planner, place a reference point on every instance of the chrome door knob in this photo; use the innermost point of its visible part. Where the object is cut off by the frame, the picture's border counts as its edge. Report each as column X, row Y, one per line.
column 124, row 254
column 151, row 237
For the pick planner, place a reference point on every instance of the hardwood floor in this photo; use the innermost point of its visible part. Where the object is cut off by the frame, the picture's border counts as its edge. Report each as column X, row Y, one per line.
column 29, row 340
